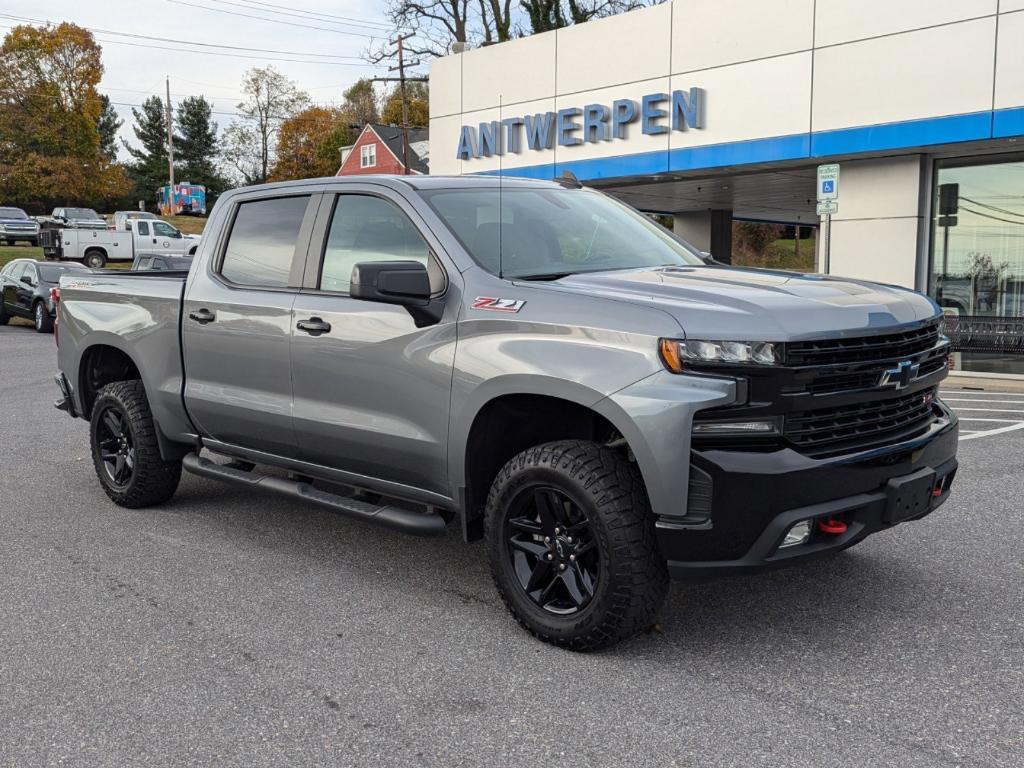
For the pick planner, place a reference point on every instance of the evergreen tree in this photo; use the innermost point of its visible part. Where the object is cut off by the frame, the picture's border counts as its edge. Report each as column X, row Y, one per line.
column 195, row 142
column 149, row 167
column 108, row 125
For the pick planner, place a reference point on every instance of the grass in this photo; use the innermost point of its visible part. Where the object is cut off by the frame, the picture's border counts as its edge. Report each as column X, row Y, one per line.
column 190, row 225
column 12, row 252
column 782, row 255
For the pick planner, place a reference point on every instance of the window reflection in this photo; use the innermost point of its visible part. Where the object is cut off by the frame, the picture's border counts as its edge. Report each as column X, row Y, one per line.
column 978, row 261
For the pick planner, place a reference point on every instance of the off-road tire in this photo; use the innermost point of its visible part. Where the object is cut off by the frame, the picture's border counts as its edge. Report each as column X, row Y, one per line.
column 153, row 480
column 41, row 319
column 607, row 487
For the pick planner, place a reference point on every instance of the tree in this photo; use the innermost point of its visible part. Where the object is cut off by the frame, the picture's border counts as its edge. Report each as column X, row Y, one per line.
column 249, row 143
column 418, row 99
column 195, row 143
column 50, row 111
column 149, row 167
column 108, row 124
column 361, row 103
column 309, row 144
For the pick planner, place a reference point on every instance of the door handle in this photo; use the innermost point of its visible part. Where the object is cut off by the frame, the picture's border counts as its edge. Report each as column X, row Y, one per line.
column 314, row 326
column 202, row 316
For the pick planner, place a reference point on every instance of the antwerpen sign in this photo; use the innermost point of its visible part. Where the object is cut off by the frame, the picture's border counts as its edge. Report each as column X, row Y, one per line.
column 656, row 112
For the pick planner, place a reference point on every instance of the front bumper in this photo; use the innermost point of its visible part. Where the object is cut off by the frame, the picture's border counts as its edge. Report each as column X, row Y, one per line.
column 755, row 497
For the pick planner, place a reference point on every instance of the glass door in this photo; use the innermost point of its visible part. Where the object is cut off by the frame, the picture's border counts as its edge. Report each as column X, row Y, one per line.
column 977, row 273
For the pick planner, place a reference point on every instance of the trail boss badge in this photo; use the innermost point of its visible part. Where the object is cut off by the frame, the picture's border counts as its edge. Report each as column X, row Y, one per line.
column 498, row 305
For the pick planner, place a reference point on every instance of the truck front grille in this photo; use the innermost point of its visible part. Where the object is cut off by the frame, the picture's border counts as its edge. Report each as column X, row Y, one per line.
column 824, row 432
column 863, row 348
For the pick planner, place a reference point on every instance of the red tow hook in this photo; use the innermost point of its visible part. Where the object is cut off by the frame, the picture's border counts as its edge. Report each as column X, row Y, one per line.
column 833, row 527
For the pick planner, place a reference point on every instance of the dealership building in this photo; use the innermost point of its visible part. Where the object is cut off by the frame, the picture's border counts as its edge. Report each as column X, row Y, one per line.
column 712, row 111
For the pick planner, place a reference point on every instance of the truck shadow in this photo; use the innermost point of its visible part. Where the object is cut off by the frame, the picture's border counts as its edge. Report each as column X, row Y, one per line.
column 842, row 599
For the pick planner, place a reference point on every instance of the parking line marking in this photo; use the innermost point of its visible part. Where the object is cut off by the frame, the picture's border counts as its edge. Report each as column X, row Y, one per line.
column 999, row 431
column 979, row 418
column 979, row 400
column 990, row 410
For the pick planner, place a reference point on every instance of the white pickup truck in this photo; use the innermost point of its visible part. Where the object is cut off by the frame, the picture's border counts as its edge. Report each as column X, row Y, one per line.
column 140, row 237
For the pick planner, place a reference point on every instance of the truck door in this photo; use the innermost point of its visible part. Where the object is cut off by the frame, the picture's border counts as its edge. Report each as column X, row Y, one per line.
column 371, row 389
column 236, row 325
column 166, row 239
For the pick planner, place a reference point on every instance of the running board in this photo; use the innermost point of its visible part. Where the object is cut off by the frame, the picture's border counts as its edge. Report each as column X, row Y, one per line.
column 397, row 518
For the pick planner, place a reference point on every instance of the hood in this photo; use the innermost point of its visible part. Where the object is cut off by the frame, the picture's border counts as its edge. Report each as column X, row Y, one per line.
column 714, row 302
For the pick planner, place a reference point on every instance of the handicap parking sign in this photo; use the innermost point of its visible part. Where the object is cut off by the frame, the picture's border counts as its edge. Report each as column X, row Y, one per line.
column 828, row 182
column 828, row 186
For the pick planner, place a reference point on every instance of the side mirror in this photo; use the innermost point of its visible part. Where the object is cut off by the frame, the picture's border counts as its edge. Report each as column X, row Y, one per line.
column 405, row 283
column 707, row 257
column 26, row 280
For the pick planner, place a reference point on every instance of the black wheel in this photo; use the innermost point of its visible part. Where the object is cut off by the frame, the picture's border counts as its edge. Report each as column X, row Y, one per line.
column 42, row 319
column 95, row 260
column 125, row 451
column 572, row 549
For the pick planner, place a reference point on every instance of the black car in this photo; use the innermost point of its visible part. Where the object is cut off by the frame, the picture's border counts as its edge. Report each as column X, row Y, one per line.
column 25, row 286
column 15, row 225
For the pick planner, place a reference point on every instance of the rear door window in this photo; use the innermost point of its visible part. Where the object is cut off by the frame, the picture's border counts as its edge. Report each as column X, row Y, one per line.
column 142, row 228
column 369, row 228
column 261, row 247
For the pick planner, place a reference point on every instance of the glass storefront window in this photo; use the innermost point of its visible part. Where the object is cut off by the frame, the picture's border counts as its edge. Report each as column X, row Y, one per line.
column 977, row 273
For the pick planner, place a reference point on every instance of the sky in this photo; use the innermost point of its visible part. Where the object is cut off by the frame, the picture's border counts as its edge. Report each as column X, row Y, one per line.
column 312, row 34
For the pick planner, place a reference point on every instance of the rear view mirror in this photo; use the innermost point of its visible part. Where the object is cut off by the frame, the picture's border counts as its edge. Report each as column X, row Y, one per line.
column 405, row 283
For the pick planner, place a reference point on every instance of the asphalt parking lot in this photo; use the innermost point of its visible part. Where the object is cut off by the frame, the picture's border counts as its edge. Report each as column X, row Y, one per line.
column 228, row 628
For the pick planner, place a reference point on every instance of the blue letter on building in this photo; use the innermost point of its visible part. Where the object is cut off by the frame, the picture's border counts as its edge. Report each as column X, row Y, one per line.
column 650, row 113
column 540, row 130
column 467, row 148
column 623, row 113
column 687, row 111
column 595, row 123
column 567, row 126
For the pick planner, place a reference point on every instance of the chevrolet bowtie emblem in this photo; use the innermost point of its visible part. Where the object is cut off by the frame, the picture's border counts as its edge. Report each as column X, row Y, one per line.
column 901, row 376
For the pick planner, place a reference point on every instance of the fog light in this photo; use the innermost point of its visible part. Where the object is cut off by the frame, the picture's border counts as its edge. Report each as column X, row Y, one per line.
column 798, row 534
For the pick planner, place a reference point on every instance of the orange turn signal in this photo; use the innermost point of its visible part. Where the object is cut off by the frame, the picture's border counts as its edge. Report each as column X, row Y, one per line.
column 670, row 355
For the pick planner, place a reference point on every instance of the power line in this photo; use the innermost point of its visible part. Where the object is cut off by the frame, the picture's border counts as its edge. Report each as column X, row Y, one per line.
column 994, row 218
column 309, row 15
column 356, row 63
column 991, row 207
column 277, row 21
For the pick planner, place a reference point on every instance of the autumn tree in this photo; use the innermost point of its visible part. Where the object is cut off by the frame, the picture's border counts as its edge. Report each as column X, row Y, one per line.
column 249, row 143
column 50, row 114
column 360, row 105
column 309, row 144
column 418, row 100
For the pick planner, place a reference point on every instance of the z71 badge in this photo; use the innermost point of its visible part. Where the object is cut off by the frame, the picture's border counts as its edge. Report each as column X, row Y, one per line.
column 498, row 305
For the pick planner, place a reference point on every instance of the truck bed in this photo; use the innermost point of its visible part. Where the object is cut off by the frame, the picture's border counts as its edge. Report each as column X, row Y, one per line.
column 137, row 313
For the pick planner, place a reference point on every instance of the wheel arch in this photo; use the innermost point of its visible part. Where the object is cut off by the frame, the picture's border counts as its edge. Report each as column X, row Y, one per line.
column 507, row 422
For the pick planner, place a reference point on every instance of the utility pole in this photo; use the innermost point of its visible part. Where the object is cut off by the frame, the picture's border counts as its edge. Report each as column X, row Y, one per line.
column 405, row 103
column 170, row 149
column 401, row 80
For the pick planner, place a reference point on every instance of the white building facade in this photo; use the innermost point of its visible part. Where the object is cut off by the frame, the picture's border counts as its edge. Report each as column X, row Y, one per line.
column 716, row 110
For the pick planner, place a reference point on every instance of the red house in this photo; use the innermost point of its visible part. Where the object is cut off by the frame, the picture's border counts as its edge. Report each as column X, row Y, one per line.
column 379, row 150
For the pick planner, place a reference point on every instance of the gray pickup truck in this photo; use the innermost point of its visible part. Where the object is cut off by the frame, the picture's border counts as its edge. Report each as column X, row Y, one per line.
column 532, row 362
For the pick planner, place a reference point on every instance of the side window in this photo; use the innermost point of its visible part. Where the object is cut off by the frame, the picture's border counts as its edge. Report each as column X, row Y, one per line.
column 142, row 228
column 367, row 228
column 261, row 245
column 17, row 272
column 32, row 274
column 163, row 229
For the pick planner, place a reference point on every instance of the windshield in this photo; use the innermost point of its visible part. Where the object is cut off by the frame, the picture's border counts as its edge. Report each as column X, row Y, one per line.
column 50, row 273
column 82, row 213
column 550, row 233
column 12, row 213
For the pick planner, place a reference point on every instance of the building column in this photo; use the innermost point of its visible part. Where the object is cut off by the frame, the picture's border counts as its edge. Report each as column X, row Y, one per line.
column 709, row 231
column 875, row 234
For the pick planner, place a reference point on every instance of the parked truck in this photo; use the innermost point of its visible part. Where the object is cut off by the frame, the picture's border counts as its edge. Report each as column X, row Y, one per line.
column 137, row 237
column 532, row 363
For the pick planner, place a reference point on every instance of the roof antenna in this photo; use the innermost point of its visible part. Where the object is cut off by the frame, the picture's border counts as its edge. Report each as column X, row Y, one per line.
column 568, row 179
column 501, row 210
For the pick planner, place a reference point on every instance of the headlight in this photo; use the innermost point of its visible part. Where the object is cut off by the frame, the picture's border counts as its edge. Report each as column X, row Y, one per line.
column 675, row 353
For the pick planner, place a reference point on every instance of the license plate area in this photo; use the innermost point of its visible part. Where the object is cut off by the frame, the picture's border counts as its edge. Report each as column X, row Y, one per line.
column 909, row 496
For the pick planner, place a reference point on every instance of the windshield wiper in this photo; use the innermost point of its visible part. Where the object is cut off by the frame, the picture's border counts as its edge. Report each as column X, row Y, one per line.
column 543, row 276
